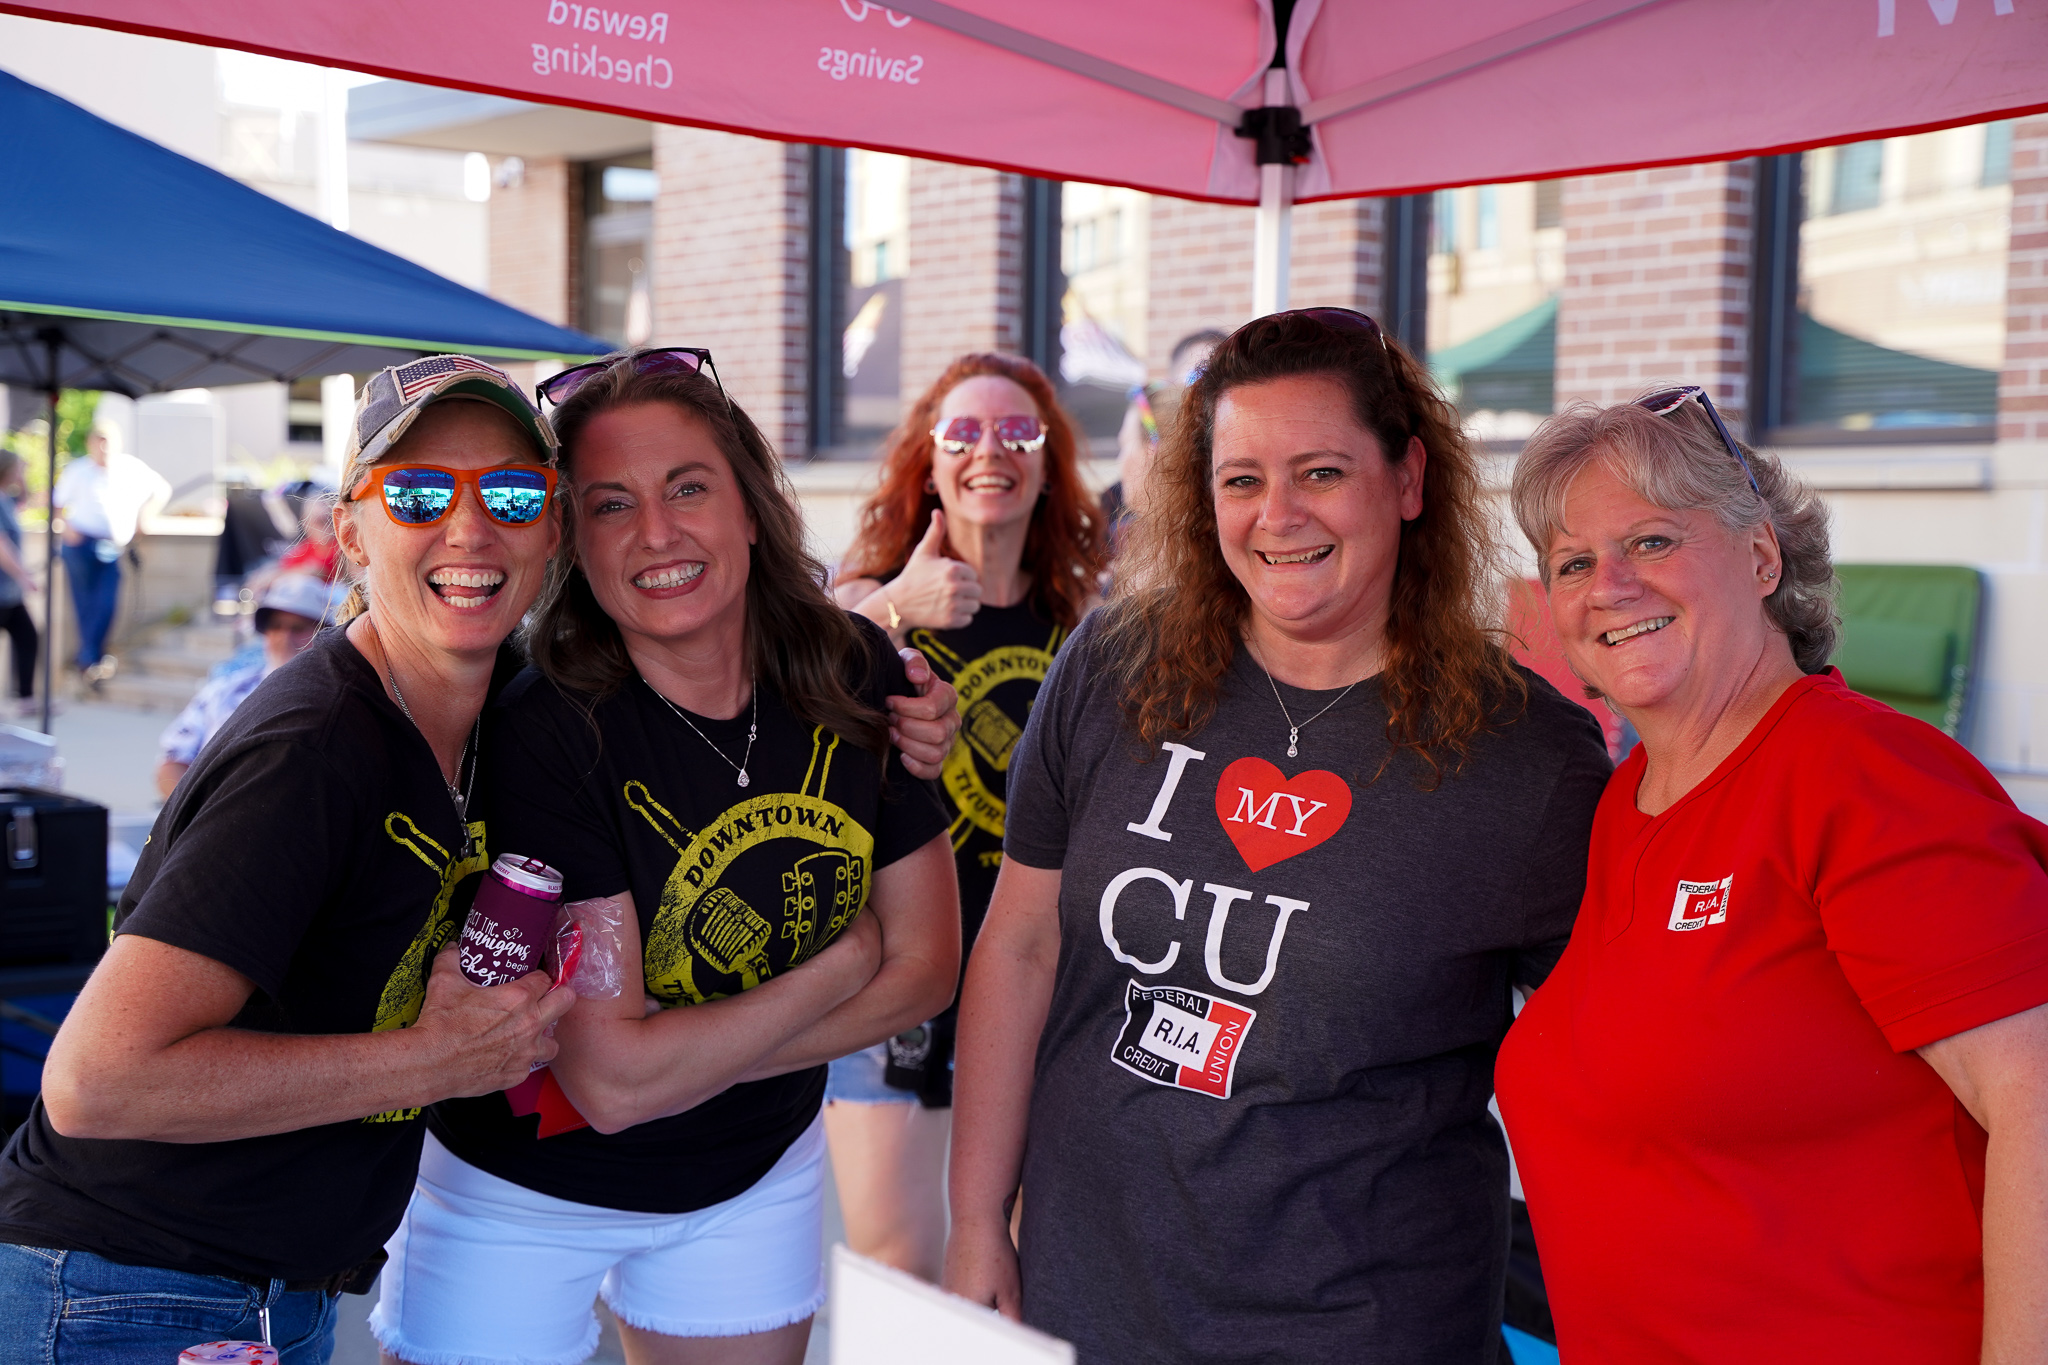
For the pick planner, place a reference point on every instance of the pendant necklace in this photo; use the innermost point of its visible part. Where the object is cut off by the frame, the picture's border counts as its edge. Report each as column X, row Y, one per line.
column 1293, row 730
column 457, row 796
column 753, row 727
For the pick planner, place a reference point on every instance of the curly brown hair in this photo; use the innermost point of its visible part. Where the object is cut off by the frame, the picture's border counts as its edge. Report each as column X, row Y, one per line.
column 1178, row 618
column 800, row 642
column 1063, row 550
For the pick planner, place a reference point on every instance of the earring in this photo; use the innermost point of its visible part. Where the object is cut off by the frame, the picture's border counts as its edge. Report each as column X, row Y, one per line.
column 1770, row 574
column 929, row 485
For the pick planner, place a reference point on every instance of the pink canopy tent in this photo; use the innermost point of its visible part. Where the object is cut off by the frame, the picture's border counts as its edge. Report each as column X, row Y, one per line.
column 1375, row 97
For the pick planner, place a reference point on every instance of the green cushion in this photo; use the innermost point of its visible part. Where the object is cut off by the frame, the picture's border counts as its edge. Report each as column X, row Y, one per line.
column 1903, row 658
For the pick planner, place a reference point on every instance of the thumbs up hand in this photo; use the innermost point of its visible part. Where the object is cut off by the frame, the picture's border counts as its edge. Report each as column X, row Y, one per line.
column 933, row 590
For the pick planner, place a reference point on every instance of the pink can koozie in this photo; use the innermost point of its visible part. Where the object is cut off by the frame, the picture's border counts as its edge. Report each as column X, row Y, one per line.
column 224, row 1352
column 509, row 924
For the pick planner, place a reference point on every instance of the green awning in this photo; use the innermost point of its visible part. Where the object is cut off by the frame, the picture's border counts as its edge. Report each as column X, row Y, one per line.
column 1847, row 381
column 1508, row 368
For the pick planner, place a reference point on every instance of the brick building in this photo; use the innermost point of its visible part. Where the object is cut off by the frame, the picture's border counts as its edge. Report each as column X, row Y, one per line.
column 1876, row 313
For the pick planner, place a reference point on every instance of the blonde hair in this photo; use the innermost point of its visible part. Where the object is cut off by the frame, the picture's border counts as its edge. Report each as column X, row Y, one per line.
column 1677, row 461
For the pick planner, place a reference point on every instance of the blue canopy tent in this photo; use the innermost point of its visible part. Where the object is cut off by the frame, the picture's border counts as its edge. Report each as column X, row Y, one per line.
column 125, row 266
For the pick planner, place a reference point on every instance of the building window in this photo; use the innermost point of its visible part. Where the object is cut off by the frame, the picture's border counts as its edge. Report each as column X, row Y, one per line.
column 1104, row 254
column 302, row 411
column 876, row 235
column 1898, row 323
column 618, row 237
column 1496, row 264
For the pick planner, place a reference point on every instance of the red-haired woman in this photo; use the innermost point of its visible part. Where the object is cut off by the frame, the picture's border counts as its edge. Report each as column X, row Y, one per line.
column 1286, row 826
column 982, row 548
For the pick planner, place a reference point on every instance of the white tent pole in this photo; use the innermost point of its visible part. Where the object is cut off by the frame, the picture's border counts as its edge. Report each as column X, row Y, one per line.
column 1272, row 238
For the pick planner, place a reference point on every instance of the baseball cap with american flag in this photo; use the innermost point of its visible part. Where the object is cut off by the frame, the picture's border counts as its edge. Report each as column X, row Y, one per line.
column 395, row 397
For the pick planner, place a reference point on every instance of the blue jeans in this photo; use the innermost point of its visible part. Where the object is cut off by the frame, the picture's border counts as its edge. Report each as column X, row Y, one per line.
column 74, row 1308
column 95, row 589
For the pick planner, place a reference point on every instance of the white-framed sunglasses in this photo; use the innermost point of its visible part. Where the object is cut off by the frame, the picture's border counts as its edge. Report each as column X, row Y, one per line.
column 1019, row 435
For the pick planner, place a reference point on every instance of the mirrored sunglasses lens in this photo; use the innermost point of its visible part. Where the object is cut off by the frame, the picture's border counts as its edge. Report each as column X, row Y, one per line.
column 1665, row 402
column 560, row 388
column 962, row 433
column 516, row 496
column 1018, row 433
column 668, row 362
column 418, row 496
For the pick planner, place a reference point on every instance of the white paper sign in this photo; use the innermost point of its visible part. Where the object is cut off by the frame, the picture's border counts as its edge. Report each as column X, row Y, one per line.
column 881, row 1316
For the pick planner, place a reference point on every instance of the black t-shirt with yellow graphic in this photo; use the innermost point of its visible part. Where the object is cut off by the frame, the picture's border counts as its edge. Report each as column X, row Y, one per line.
column 732, row 884
column 312, row 848
column 996, row 662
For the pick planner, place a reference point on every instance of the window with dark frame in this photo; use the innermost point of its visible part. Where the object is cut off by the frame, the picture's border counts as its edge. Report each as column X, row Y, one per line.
column 1879, row 307
column 618, row 237
column 303, row 411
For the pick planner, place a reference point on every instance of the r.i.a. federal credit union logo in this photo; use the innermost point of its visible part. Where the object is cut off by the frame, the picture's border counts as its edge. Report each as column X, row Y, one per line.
column 1699, row 904
column 1181, row 1038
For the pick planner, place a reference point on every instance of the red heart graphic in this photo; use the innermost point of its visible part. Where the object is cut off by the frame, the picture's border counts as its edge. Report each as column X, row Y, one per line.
column 1270, row 818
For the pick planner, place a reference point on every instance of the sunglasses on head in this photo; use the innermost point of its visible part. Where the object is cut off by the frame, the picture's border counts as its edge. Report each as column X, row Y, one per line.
column 560, row 388
column 422, row 494
column 1664, row 402
column 1018, row 435
column 1343, row 319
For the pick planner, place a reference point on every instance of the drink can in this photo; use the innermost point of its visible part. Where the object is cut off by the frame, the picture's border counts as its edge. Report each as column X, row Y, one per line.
column 509, row 924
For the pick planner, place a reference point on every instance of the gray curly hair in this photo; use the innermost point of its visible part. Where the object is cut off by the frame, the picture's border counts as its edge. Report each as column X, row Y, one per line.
column 1677, row 461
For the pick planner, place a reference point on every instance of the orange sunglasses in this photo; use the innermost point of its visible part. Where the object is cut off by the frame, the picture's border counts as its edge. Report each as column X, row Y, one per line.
column 422, row 494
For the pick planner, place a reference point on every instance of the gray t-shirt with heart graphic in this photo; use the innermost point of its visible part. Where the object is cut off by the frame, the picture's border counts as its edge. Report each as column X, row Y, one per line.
column 1258, row 1126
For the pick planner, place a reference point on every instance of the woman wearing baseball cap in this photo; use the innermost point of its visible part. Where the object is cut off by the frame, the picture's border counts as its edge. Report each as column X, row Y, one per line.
column 231, row 1116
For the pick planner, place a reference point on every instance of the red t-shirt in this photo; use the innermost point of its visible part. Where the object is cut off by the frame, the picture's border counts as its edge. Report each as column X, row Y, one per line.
column 1730, row 1151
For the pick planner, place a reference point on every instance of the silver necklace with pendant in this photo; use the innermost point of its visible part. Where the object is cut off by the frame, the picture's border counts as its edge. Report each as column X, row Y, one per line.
column 457, row 796
column 753, row 727
column 1293, row 730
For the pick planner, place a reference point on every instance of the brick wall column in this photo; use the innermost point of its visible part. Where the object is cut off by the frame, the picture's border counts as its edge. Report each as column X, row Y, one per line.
column 535, row 215
column 1202, row 265
column 1338, row 252
column 731, row 244
column 2023, row 383
column 1656, row 283
column 965, row 271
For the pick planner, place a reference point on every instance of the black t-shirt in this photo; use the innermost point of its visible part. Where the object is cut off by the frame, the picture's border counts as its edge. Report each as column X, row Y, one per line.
column 312, row 848
column 732, row 885
column 1258, row 1125
column 996, row 663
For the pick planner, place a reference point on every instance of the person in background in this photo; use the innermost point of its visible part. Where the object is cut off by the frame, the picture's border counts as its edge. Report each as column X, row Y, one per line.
column 1285, row 829
column 1785, row 1097
column 317, row 552
column 101, row 500
column 293, row 609
column 16, row 584
column 980, row 548
column 1151, row 411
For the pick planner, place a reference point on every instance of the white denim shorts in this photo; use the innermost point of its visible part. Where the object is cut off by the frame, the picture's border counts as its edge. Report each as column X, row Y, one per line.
column 486, row 1272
